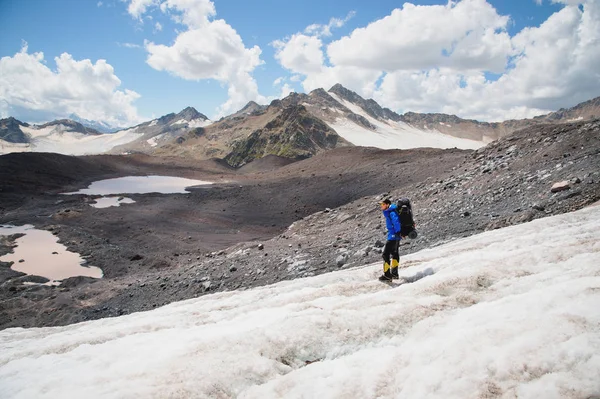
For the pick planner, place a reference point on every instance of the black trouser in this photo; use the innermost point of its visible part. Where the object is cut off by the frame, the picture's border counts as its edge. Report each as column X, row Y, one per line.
column 390, row 251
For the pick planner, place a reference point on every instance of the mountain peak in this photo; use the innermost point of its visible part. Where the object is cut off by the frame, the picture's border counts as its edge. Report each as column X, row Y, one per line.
column 336, row 87
column 10, row 130
column 190, row 113
column 251, row 107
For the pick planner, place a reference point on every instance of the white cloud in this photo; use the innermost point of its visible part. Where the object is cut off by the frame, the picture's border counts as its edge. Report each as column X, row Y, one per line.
column 325, row 30
column 555, row 66
column 207, row 49
column 128, row 45
column 99, row 4
column 31, row 90
column 278, row 81
column 467, row 34
column 437, row 58
column 138, row 7
column 300, row 53
column 192, row 13
column 286, row 89
column 157, row 27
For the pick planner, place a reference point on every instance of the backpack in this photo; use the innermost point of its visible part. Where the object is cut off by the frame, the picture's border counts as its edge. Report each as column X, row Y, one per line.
column 407, row 223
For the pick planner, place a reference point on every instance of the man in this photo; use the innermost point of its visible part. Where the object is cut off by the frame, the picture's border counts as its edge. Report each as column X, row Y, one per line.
column 390, row 252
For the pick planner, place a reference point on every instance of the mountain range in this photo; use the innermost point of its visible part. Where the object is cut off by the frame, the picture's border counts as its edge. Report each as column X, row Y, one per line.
column 296, row 127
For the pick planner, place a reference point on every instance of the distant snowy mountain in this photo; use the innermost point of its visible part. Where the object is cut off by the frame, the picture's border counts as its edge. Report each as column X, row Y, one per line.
column 62, row 136
column 296, row 126
column 507, row 313
column 101, row 127
column 160, row 131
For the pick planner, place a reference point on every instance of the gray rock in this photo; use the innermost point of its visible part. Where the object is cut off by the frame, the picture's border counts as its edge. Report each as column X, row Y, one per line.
column 538, row 207
column 560, row 186
column 341, row 260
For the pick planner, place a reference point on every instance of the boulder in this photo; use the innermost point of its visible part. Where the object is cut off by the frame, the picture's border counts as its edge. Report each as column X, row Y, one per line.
column 560, row 186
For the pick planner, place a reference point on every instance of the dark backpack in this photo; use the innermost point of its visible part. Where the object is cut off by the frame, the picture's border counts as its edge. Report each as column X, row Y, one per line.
column 407, row 223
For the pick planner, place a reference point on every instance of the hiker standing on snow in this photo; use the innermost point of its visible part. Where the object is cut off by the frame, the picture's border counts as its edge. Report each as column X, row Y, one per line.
column 390, row 252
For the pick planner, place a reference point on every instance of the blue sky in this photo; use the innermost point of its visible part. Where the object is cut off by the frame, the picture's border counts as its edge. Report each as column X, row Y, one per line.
column 490, row 53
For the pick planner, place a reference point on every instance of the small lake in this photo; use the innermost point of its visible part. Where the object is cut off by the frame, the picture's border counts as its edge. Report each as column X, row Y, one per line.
column 141, row 185
column 38, row 253
column 106, row 202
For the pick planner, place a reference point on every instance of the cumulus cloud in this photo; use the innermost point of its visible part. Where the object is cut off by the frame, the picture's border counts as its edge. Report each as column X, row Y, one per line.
column 158, row 27
column 207, row 49
column 468, row 34
column 301, row 53
column 440, row 59
column 554, row 66
column 31, row 90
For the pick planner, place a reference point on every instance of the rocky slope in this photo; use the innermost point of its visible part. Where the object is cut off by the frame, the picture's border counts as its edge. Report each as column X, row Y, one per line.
column 10, row 131
column 306, row 218
column 293, row 134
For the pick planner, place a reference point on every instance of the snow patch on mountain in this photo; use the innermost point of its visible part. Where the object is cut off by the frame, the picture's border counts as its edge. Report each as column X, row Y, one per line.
column 58, row 139
column 390, row 134
column 199, row 123
column 507, row 313
column 154, row 140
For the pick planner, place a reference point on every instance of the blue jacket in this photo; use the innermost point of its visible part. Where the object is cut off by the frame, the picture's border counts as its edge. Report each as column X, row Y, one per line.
column 392, row 222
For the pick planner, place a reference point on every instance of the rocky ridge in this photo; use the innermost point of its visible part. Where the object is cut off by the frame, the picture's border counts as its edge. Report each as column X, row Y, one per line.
column 223, row 139
column 68, row 125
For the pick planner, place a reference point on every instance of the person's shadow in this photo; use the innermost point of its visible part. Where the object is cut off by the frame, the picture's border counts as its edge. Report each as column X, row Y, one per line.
column 419, row 275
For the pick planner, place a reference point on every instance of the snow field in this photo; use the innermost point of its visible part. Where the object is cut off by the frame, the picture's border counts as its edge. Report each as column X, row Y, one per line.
column 56, row 139
column 390, row 134
column 509, row 313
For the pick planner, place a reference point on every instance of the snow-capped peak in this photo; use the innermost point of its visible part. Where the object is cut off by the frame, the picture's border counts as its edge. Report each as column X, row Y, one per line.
column 100, row 126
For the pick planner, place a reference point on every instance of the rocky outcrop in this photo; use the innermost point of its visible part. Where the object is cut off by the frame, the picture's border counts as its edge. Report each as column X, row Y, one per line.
column 10, row 130
column 294, row 133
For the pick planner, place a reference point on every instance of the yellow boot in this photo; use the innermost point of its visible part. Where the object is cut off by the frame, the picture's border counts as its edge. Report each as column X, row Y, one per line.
column 387, row 274
column 394, row 270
